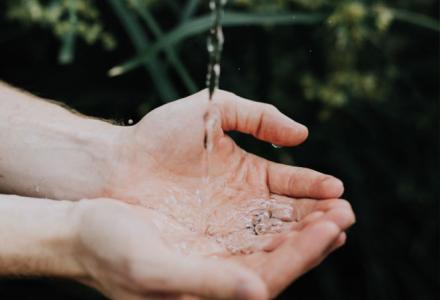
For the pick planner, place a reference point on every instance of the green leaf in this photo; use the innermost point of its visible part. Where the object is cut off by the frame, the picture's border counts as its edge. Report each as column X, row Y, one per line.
column 171, row 54
column 189, row 10
column 140, row 43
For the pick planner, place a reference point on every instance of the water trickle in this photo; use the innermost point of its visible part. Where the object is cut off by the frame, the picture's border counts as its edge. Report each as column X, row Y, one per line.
column 277, row 146
column 215, row 46
column 237, row 231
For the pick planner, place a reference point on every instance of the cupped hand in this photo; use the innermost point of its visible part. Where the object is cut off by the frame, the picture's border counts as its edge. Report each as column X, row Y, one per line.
column 206, row 204
column 124, row 256
column 162, row 164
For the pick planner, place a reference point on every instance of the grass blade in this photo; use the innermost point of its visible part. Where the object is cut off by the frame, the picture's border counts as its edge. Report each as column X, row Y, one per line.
column 171, row 54
column 67, row 51
column 140, row 43
column 189, row 10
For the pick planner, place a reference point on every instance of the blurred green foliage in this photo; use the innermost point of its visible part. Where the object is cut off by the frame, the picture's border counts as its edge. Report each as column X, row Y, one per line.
column 363, row 75
column 349, row 26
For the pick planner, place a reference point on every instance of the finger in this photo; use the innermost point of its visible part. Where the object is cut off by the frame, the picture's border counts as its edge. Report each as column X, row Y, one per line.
column 325, row 205
column 306, row 211
column 298, row 254
column 274, row 242
column 129, row 295
column 309, row 219
column 338, row 211
column 302, row 182
column 299, row 207
column 282, row 211
column 213, row 279
column 340, row 241
column 262, row 120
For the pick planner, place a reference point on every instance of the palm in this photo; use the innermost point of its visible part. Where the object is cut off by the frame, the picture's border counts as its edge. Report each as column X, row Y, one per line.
column 211, row 214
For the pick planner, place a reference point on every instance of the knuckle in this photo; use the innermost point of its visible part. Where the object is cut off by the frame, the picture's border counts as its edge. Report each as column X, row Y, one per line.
column 332, row 228
column 270, row 107
column 226, row 95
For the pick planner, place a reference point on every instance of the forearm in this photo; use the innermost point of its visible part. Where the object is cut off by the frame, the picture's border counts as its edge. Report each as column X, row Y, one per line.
column 37, row 238
column 47, row 151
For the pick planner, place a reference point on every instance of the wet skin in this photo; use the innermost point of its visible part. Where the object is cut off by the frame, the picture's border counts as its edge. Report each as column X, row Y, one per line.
column 161, row 166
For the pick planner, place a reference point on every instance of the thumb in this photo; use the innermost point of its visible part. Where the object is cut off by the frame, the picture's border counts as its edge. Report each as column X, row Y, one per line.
column 214, row 279
column 262, row 120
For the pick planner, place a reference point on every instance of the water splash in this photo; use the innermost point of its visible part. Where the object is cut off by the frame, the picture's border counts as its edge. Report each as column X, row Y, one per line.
column 215, row 46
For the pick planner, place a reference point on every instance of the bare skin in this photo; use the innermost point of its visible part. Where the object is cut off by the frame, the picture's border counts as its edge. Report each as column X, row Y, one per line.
column 210, row 215
column 158, row 165
column 154, row 270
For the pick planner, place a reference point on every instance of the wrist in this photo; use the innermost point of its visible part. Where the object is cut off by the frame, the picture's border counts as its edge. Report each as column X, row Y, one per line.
column 64, row 243
column 38, row 238
column 50, row 152
column 101, row 144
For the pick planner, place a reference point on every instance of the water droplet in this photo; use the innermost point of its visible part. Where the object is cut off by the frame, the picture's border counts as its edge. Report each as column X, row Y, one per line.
column 262, row 228
column 210, row 47
column 216, row 69
column 277, row 146
column 130, row 122
column 220, row 37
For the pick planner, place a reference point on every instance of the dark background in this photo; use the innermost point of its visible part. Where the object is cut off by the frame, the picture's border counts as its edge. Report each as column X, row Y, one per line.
column 369, row 97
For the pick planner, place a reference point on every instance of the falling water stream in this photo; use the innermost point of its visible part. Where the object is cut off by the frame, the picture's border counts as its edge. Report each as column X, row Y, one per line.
column 215, row 46
column 257, row 216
